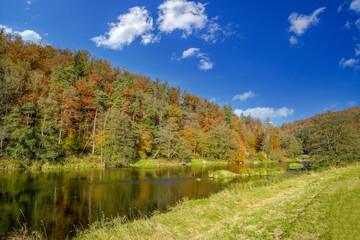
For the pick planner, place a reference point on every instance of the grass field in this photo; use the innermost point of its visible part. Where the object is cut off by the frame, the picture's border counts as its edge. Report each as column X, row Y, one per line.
column 324, row 205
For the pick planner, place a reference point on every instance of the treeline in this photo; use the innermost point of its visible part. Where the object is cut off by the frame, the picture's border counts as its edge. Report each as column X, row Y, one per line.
column 57, row 103
column 331, row 138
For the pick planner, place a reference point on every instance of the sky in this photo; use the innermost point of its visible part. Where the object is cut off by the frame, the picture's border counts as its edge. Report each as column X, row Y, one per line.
column 283, row 60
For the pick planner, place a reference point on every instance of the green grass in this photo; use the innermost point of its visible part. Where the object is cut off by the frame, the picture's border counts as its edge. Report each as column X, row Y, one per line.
column 153, row 163
column 222, row 174
column 296, row 166
column 321, row 205
column 289, row 160
column 66, row 163
column 249, row 172
column 200, row 161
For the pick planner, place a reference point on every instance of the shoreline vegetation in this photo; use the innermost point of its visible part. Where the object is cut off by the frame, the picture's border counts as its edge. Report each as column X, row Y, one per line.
column 96, row 162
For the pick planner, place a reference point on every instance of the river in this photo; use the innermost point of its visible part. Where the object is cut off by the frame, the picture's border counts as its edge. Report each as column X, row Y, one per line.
column 59, row 202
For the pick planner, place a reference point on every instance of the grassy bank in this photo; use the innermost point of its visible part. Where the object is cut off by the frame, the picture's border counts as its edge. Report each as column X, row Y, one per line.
column 155, row 163
column 96, row 162
column 66, row 163
column 321, row 205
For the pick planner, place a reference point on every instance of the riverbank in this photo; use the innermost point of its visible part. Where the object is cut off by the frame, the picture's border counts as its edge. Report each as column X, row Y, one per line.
column 66, row 163
column 96, row 162
column 314, row 206
column 155, row 163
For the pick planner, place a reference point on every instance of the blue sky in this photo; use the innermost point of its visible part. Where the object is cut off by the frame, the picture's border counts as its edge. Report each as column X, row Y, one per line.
column 286, row 60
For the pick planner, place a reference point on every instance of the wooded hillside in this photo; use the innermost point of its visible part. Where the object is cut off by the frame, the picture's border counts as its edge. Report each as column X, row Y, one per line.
column 56, row 103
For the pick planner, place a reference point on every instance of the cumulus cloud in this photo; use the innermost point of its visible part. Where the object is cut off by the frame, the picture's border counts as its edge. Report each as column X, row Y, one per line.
column 181, row 15
column 186, row 16
column 204, row 61
column 265, row 112
column 244, row 96
column 27, row 35
column 137, row 22
column 30, row 35
column 355, row 6
column 352, row 63
column 190, row 17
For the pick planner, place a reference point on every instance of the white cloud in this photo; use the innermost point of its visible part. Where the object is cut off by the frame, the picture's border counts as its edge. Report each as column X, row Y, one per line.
column 213, row 100
column 357, row 50
column 331, row 109
column 341, row 6
column 214, row 31
column 181, row 15
column 27, row 35
column 150, row 38
column 204, row 63
column 28, row 2
column 357, row 23
column 244, row 96
column 355, row 6
column 30, row 35
column 265, row 112
column 349, row 63
column 191, row 52
column 300, row 23
column 293, row 40
column 6, row 29
column 190, row 17
column 347, row 25
column 137, row 22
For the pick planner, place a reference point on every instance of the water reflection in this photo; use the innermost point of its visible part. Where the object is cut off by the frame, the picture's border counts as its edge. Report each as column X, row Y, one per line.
column 64, row 199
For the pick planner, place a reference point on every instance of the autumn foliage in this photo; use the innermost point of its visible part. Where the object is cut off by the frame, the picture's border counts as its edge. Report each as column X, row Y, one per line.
column 55, row 103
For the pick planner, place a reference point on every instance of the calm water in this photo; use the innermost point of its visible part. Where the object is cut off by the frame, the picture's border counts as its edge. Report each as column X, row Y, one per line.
column 59, row 201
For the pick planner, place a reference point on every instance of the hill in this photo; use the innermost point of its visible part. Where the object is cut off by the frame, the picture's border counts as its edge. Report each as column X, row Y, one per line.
column 57, row 104
column 303, row 123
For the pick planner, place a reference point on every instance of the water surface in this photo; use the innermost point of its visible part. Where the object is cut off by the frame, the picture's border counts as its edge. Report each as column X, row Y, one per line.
column 60, row 201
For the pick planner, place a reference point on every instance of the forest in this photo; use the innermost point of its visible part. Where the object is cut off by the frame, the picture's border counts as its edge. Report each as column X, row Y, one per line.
column 57, row 103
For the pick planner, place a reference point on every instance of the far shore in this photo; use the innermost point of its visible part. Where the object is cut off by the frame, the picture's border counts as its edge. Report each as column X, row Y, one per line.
column 91, row 162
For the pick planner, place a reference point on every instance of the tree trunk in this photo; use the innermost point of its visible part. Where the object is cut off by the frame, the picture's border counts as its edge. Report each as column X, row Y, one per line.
column 43, row 126
column 156, row 153
column 103, row 136
column 93, row 135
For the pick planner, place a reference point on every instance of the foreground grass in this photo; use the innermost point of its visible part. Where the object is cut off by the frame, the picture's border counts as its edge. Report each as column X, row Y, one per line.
column 322, row 205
